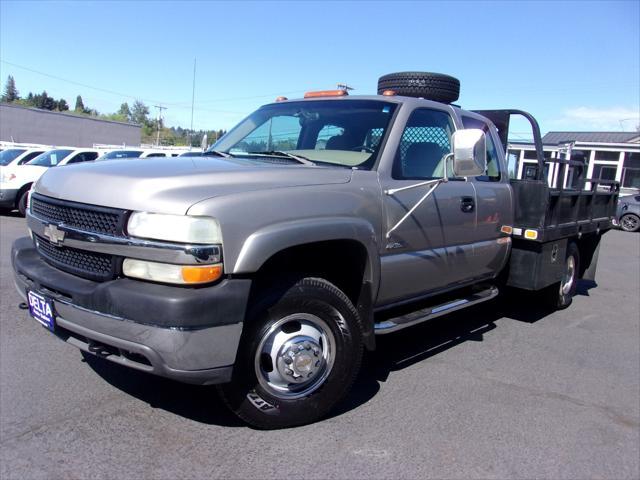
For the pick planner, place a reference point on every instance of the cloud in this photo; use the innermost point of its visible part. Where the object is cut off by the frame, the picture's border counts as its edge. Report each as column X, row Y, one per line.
column 606, row 119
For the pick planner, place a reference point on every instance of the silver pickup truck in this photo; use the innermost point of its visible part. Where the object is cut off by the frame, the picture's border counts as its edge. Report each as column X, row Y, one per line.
column 269, row 264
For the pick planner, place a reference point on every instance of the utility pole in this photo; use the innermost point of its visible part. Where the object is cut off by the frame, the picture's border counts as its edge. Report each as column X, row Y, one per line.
column 160, row 108
column 193, row 98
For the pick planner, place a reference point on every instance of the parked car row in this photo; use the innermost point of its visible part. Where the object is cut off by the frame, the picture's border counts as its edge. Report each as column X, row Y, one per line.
column 22, row 166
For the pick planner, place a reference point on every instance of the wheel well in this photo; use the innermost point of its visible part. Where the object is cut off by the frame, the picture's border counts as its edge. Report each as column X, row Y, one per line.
column 23, row 189
column 341, row 262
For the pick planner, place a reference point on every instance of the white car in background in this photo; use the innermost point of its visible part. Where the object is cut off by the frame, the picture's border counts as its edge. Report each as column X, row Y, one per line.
column 19, row 155
column 16, row 180
column 138, row 153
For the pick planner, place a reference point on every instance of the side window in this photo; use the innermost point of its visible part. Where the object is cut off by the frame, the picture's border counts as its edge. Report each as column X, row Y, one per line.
column 425, row 142
column 83, row 157
column 151, row 155
column 325, row 134
column 28, row 157
column 493, row 164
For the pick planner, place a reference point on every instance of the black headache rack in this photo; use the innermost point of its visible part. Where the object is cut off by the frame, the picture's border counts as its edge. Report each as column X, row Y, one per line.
column 547, row 214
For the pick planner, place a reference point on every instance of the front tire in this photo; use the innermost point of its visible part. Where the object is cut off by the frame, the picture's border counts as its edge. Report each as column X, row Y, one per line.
column 299, row 355
column 22, row 203
column 630, row 222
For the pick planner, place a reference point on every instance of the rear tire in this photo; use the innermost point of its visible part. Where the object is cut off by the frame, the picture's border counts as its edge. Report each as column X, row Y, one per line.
column 432, row 86
column 630, row 222
column 299, row 355
column 560, row 295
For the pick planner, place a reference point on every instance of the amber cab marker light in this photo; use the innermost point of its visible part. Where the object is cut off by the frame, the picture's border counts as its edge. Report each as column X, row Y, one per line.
column 326, row 93
column 201, row 273
column 389, row 93
column 281, row 99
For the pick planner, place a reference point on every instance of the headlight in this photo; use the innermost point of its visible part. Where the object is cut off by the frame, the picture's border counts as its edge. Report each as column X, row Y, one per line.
column 175, row 228
column 167, row 273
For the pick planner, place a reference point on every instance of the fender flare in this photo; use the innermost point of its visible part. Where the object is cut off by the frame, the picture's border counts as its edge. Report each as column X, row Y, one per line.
column 264, row 243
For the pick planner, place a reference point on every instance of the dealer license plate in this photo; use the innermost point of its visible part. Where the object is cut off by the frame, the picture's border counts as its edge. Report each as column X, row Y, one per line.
column 41, row 308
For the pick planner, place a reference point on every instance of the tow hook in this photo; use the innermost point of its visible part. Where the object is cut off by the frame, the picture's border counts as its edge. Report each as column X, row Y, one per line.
column 98, row 349
column 23, row 306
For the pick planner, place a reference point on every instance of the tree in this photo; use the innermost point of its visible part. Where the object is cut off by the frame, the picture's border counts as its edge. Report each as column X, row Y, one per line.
column 62, row 105
column 125, row 112
column 47, row 102
column 10, row 91
column 140, row 114
column 79, row 105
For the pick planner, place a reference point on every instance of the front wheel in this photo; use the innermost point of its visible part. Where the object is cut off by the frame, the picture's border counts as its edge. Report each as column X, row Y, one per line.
column 22, row 203
column 299, row 355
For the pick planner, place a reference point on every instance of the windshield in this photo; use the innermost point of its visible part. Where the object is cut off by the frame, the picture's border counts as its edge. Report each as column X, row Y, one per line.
column 338, row 132
column 50, row 158
column 120, row 154
column 7, row 156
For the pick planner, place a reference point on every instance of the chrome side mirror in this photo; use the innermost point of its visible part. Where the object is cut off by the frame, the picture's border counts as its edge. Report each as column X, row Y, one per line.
column 469, row 152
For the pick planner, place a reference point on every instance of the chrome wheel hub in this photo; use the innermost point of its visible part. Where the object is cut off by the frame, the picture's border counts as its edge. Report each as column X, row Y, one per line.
column 295, row 356
column 569, row 276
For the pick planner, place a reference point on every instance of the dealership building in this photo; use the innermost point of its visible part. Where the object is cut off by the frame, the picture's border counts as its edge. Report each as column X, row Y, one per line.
column 608, row 156
column 31, row 125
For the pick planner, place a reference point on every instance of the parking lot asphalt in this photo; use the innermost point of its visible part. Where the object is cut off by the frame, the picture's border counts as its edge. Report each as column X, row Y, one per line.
column 503, row 390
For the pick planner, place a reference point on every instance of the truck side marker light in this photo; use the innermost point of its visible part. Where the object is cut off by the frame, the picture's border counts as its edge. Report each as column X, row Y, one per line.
column 517, row 231
column 531, row 234
column 506, row 229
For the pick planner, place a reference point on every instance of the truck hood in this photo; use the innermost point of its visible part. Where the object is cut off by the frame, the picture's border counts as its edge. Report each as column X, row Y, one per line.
column 172, row 185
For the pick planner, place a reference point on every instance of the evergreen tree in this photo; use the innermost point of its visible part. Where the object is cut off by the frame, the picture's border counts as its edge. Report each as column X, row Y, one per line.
column 47, row 102
column 62, row 105
column 79, row 105
column 10, row 91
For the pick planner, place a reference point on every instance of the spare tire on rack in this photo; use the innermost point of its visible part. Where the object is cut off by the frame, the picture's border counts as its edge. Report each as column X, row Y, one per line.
column 432, row 86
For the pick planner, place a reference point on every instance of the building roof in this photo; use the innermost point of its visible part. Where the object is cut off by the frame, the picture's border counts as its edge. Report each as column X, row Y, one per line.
column 554, row 138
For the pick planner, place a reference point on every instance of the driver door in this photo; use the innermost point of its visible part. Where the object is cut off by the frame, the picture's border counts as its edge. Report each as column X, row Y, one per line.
column 433, row 247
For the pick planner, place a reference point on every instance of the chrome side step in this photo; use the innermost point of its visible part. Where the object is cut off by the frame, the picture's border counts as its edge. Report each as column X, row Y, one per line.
column 419, row 316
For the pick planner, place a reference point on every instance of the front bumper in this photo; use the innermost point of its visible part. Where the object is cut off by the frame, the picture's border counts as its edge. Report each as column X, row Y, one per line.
column 8, row 197
column 164, row 330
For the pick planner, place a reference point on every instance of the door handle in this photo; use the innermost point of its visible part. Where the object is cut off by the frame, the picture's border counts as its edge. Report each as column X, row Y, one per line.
column 467, row 204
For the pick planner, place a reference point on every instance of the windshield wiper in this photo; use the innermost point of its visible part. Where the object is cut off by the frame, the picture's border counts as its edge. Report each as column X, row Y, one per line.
column 277, row 153
column 217, row 153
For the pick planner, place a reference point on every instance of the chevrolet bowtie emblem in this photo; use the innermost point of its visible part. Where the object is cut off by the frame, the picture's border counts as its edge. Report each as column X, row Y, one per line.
column 54, row 235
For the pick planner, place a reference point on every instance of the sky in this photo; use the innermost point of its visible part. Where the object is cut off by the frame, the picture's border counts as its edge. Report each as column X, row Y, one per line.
column 573, row 65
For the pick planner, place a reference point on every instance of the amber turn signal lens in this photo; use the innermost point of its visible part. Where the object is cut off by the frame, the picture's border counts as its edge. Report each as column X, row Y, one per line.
column 201, row 273
column 326, row 93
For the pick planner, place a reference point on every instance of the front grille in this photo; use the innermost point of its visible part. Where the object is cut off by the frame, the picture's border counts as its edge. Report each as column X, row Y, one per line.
column 90, row 218
column 90, row 265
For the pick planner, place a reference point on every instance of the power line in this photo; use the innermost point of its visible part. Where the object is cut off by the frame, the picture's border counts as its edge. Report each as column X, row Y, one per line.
column 182, row 105
column 112, row 92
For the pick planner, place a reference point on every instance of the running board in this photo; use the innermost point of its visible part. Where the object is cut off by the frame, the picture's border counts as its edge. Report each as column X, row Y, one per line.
column 419, row 316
